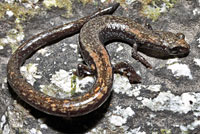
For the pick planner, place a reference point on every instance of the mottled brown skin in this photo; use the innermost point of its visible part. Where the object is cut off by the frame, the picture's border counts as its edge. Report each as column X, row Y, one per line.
column 59, row 107
column 159, row 44
column 94, row 34
column 100, row 30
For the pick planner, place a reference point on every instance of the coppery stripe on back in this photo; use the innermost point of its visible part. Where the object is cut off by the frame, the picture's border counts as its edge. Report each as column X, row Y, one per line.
column 60, row 107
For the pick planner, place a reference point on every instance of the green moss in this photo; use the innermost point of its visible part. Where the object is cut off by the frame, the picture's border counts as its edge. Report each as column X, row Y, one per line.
column 73, row 84
column 2, row 11
column 153, row 8
column 15, row 35
column 151, row 12
column 50, row 89
column 19, row 11
column 123, row 3
column 185, row 132
column 13, row 47
column 1, row 43
column 170, row 3
column 67, row 4
column 22, row 131
column 86, row 1
column 165, row 131
column 56, row 91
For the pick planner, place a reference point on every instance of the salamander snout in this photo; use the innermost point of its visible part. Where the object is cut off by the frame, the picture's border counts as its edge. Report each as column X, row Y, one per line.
column 179, row 51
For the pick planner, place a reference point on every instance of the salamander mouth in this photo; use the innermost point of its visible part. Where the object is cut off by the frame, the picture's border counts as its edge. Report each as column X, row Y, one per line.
column 179, row 52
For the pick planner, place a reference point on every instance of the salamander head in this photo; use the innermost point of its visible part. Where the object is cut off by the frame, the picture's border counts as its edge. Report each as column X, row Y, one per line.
column 166, row 45
column 176, row 44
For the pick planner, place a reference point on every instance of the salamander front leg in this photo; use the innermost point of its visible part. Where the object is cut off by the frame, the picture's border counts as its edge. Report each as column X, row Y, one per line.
column 128, row 71
column 139, row 57
column 84, row 70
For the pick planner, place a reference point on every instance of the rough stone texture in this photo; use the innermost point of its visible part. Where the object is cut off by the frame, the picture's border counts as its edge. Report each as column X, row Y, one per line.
column 167, row 100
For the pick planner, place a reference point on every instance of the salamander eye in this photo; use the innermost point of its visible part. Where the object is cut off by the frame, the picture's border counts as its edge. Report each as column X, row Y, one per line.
column 180, row 35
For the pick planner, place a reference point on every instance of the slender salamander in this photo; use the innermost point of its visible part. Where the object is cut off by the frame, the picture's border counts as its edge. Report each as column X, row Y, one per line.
column 95, row 31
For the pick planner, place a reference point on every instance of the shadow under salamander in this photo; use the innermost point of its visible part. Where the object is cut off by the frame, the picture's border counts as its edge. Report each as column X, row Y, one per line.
column 79, row 124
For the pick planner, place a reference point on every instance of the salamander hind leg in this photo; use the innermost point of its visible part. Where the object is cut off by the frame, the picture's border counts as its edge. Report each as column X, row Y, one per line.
column 84, row 70
column 128, row 71
column 139, row 57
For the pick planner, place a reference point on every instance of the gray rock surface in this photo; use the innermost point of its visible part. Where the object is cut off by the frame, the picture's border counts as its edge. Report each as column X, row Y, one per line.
column 166, row 102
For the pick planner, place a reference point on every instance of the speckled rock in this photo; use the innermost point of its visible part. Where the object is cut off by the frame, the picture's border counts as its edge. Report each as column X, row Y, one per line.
column 167, row 101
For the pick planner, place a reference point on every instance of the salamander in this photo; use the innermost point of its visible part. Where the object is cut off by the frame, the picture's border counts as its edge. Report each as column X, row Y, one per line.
column 95, row 32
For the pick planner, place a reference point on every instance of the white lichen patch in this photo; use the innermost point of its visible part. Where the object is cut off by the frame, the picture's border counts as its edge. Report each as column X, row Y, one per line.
column 9, row 13
column 43, row 51
column 29, row 71
column 63, row 84
column 129, row 1
column 183, row 129
column 49, row 3
column 83, row 82
column 34, row 1
column 6, row 129
column 172, row 61
column 120, row 116
column 10, row 1
column 1, row 47
column 47, row 54
column 192, row 126
column 52, row 90
column 154, row 88
column 14, row 117
column 198, row 42
column 197, row 114
column 102, row 1
column 135, row 131
column 196, row 11
column 3, row 41
column 62, row 79
column 117, row 120
column 122, row 85
column 43, row 126
column 3, row 121
column 197, row 62
column 180, row 70
column 120, row 48
column 35, row 131
column 74, row 46
column 163, row 8
column 14, row 36
column 168, row 101
column 67, row 4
